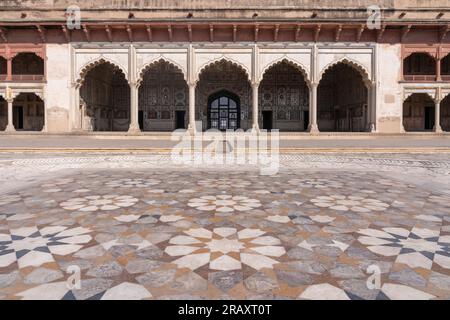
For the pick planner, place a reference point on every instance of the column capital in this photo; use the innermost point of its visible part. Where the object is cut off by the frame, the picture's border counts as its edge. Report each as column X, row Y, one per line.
column 370, row 84
column 313, row 85
column 192, row 84
column 255, row 84
column 9, row 95
column 134, row 84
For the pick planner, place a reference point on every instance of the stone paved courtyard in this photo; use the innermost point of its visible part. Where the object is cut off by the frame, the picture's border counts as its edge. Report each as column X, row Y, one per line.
column 138, row 228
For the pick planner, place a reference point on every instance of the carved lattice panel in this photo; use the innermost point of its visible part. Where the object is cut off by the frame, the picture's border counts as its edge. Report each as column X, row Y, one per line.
column 162, row 91
column 284, row 91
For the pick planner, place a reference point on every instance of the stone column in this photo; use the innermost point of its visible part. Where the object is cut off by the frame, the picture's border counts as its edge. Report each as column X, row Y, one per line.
column 313, row 127
column 437, row 115
column 438, row 70
column 10, row 125
column 9, row 69
column 191, row 126
column 134, row 109
column 77, row 117
column 372, row 104
column 255, row 109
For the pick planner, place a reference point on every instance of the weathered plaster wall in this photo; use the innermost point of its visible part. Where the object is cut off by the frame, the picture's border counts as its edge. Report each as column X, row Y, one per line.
column 213, row 9
column 57, row 90
column 390, row 93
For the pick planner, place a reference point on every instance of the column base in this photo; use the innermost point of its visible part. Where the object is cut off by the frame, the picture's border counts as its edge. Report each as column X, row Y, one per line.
column 255, row 129
column 134, row 129
column 191, row 130
column 10, row 128
column 313, row 129
column 438, row 129
column 402, row 129
column 372, row 128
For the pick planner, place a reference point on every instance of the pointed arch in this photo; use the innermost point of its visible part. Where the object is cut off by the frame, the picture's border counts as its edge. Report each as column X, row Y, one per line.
column 28, row 65
column 350, row 62
column 343, row 103
column 163, row 96
column 283, row 96
column 223, row 59
column 419, row 66
column 418, row 112
column 408, row 95
column 408, row 54
column 445, row 111
column 156, row 61
column 298, row 66
column 32, row 117
column 223, row 110
column 105, row 93
column 94, row 63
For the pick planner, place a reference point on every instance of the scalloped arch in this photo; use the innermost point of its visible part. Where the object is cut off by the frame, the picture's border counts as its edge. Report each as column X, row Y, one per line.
column 154, row 62
column 38, row 94
column 96, row 62
column 219, row 60
column 445, row 95
column 420, row 52
column 411, row 93
column 40, row 55
column 290, row 62
column 346, row 60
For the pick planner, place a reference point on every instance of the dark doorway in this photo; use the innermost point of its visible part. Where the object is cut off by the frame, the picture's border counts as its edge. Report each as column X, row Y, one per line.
column 141, row 119
column 429, row 118
column 267, row 120
column 180, row 120
column 305, row 120
column 223, row 111
column 18, row 118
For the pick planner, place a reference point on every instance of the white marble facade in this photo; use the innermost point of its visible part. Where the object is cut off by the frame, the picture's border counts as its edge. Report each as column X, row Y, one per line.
column 68, row 64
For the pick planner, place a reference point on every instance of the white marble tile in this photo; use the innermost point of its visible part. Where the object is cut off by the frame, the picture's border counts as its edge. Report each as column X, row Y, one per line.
column 425, row 233
column 266, row 240
column 225, row 263
column 180, row 250
column 402, row 292
column 250, row 233
column 199, row 233
column 415, row 260
column 443, row 261
column 34, row 259
column 127, row 291
column 48, row 291
column 385, row 251
column 323, row 291
column 273, row 251
column 193, row 261
column 279, row 219
column 225, row 232
column 7, row 259
column 322, row 218
column 127, row 217
column 183, row 240
column 257, row 261
column 64, row 249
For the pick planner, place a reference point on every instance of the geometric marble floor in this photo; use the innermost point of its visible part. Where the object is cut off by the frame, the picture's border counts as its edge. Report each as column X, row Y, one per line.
column 164, row 234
